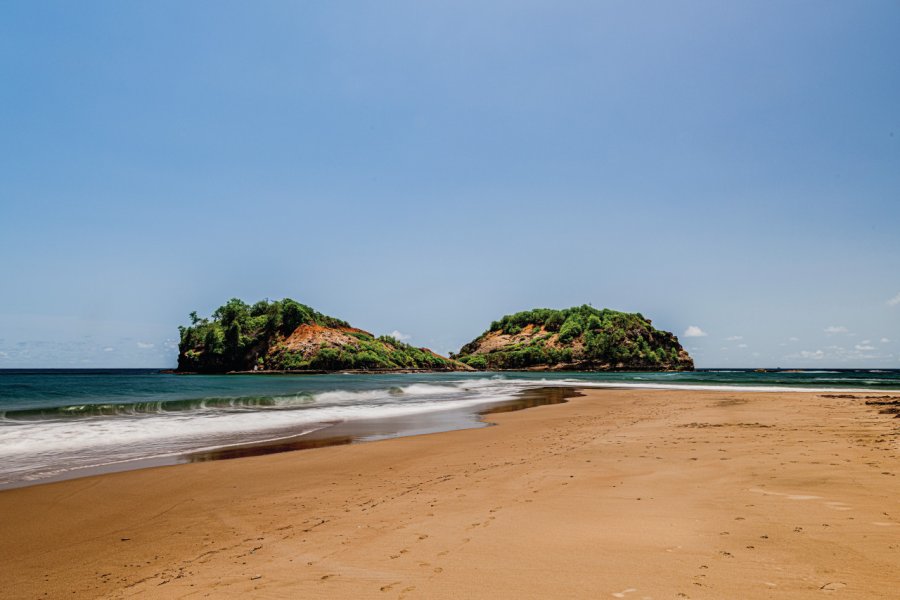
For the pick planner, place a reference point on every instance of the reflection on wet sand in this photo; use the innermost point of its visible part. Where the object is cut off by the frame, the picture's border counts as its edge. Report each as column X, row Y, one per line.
column 349, row 432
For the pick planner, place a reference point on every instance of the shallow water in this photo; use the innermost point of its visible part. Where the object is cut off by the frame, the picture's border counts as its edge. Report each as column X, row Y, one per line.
column 63, row 422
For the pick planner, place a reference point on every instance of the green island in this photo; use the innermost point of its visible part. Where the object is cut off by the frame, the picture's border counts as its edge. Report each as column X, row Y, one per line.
column 285, row 335
column 580, row 338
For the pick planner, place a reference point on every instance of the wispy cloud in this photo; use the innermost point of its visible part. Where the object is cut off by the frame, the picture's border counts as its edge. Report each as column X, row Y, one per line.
column 694, row 331
column 108, row 349
column 399, row 336
column 793, row 339
column 832, row 329
column 145, row 345
column 885, row 340
column 894, row 301
column 734, row 338
column 840, row 354
column 742, row 345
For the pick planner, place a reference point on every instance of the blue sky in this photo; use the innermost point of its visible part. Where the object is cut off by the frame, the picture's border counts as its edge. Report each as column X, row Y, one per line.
column 730, row 169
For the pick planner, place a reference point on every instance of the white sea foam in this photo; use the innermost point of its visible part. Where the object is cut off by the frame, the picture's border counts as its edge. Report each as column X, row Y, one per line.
column 39, row 448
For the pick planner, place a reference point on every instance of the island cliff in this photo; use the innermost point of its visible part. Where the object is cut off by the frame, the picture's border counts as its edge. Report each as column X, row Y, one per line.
column 581, row 338
column 284, row 335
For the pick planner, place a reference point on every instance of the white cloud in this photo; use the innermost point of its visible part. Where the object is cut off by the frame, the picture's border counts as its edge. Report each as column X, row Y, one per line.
column 108, row 349
column 862, row 347
column 817, row 355
column 742, row 345
column 734, row 338
column 694, row 331
column 836, row 329
column 399, row 336
column 894, row 301
column 793, row 339
column 885, row 340
column 3, row 355
column 145, row 345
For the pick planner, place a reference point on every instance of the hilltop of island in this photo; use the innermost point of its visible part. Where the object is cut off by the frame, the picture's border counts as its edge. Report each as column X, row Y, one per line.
column 285, row 335
column 581, row 338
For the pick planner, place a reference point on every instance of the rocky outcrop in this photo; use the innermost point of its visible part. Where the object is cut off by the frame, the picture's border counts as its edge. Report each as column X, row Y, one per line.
column 575, row 339
column 284, row 335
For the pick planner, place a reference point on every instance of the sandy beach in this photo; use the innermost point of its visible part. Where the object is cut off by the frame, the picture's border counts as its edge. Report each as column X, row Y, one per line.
column 631, row 494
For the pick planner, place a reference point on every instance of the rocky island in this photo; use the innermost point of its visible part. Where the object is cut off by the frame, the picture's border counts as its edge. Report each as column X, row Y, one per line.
column 581, row 338
column 285, row 335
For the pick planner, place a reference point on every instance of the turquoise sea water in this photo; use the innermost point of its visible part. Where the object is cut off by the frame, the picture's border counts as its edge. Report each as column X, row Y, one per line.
column 54, row 422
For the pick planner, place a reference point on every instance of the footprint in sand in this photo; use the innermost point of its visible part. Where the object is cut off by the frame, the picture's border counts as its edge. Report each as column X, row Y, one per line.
column 833, row 586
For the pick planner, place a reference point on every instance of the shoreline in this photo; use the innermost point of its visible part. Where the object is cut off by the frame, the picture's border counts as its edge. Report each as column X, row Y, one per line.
column 363, row 431
column 569, row 368
column 379, row 428
column 354, row 431
column 616, row 493
column 339, row 432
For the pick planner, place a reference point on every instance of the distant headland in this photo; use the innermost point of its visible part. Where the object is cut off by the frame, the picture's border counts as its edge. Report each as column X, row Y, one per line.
column 287, row 336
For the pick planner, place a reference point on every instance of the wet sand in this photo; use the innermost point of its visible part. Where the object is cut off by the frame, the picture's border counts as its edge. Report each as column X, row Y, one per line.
column 335, row 434
column 367, row 430
column 630, row 494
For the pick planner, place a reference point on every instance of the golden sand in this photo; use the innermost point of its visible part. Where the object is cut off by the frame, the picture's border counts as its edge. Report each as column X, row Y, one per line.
column 618, row 494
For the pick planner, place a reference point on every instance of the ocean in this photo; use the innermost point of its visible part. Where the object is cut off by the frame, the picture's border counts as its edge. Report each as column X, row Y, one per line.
column 65, row 423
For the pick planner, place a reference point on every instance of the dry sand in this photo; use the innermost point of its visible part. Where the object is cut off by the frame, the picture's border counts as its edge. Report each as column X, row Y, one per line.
column 617, row 494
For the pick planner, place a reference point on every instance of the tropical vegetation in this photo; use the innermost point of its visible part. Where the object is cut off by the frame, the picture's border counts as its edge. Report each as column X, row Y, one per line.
column 578, row 338
column 285, row 335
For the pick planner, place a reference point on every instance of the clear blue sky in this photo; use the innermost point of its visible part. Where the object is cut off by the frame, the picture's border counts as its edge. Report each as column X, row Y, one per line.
column 427, row 167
